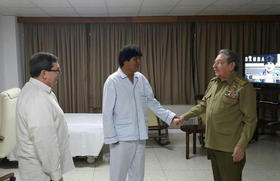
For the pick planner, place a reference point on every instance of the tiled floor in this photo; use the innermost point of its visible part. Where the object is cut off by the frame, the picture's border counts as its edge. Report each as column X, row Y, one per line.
column 169, row 163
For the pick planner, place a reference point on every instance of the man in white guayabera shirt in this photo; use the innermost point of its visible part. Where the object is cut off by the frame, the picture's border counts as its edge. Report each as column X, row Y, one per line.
column 43, row 151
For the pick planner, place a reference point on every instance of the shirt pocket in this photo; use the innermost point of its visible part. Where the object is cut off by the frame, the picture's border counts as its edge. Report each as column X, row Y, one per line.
column 144, row 106
column 229, row 104
column 124, row 129
column 143, row 99
column 229, row 101
column 140, row 94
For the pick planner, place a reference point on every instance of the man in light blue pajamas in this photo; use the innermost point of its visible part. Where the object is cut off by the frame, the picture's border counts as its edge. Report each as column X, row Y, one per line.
column 127, row 95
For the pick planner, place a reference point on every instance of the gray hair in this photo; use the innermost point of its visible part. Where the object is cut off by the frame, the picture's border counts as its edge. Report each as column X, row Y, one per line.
column 231, row 57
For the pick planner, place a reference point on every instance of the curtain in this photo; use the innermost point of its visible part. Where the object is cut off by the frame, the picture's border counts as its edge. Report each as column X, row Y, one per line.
column 88, row 53
column 166, row 60
column 69, row 43
column 177, row 57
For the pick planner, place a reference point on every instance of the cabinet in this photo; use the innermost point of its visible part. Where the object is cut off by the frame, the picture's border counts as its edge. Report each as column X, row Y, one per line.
column 268, row 108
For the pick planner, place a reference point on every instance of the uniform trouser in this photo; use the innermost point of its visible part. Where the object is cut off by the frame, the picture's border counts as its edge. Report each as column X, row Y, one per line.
column 127, row 159
column 224, row 169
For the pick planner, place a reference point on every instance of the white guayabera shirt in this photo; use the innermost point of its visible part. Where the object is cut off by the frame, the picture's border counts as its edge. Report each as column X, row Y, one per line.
column 43, row 149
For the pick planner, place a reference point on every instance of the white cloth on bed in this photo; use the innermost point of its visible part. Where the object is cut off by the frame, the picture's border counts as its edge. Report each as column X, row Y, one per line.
column 86, row 133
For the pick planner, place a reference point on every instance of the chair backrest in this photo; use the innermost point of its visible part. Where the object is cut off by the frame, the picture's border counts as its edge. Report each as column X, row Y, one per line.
column 152, row 119
column 8, row 100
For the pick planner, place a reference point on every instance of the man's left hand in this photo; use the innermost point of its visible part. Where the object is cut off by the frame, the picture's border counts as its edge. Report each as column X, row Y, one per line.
column 238, row 154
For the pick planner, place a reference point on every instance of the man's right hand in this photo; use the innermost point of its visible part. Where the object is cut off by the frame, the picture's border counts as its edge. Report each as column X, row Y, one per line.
column 61, row 179
column 177, row 121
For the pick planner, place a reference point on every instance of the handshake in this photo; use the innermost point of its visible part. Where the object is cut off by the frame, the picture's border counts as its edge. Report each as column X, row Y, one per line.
column 177, row 121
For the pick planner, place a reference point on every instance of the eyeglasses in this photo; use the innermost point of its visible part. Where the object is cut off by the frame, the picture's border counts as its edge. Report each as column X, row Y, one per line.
column 59, row 71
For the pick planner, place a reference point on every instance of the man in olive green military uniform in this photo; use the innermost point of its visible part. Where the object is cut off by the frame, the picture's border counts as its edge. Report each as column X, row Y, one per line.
column 230, row 106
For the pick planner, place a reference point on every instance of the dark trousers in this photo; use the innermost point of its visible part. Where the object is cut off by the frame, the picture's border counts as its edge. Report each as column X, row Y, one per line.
column 224, row 169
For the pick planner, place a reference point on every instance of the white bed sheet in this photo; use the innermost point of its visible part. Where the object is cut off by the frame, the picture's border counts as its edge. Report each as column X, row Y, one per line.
column 86, row 133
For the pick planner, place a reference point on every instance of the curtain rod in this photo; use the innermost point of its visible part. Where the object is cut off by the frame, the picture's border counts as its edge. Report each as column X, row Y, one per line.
column 152, row 19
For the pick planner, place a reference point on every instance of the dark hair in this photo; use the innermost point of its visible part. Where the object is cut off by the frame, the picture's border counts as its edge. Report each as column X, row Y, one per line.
column 270, row 58
column 41, row 61
column 231, row 57
column 127, row 52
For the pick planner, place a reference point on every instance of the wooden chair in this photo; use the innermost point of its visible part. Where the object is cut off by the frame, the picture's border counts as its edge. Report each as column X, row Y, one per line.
column 9, row 177
column 194, row 129
column 155, row 124
column 8, row 101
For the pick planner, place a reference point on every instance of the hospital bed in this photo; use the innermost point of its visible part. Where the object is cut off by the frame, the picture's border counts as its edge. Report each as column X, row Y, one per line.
column 86, row 135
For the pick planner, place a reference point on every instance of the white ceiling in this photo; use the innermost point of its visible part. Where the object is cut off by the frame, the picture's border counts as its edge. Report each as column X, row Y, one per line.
column 118, row 8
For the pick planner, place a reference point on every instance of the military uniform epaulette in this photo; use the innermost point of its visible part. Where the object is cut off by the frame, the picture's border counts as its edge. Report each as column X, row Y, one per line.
column 214, row 78
column 240, row 81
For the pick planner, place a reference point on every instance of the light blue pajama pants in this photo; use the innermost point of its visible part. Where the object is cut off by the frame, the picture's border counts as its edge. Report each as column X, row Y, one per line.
column 127, row 159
